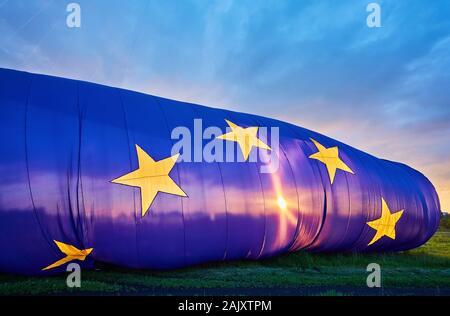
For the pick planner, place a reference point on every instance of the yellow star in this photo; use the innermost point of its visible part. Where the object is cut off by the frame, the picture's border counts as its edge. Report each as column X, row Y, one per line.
column 385, row 225
column 151, row 177
column 330, row 157
column 71, row 252
column 245, row 137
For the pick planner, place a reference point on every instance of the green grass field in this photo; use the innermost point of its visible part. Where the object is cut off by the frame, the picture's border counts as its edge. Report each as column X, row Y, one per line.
column 425, row 270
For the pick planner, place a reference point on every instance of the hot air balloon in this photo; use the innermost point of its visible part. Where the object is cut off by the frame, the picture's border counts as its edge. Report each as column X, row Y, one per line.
column 89, row 173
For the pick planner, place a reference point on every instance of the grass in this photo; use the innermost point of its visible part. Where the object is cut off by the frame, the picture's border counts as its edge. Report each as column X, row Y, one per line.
column 426, row 268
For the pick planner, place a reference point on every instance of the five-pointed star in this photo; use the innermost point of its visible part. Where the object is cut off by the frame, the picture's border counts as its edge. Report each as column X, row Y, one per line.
column 151, row 177
column 71, row 252
column 245, row 137
column 385, row 225
column 330, row 157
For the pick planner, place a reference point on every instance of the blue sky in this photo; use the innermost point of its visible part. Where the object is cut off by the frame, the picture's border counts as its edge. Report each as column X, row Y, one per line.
column 313, row 63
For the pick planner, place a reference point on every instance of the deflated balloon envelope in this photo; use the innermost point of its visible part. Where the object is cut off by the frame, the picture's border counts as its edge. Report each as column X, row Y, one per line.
column 88, row 174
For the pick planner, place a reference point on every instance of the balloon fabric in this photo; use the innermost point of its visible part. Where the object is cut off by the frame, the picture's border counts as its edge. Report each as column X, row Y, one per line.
column 93, row 173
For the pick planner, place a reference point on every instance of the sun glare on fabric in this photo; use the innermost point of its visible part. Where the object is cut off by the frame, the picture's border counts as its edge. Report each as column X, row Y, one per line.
column 282, row 203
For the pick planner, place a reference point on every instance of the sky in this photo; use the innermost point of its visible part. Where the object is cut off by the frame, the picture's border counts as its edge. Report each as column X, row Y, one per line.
column 316, row 64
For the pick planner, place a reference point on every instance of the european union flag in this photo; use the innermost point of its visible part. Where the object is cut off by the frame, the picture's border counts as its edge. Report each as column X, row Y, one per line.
column 93, row 173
